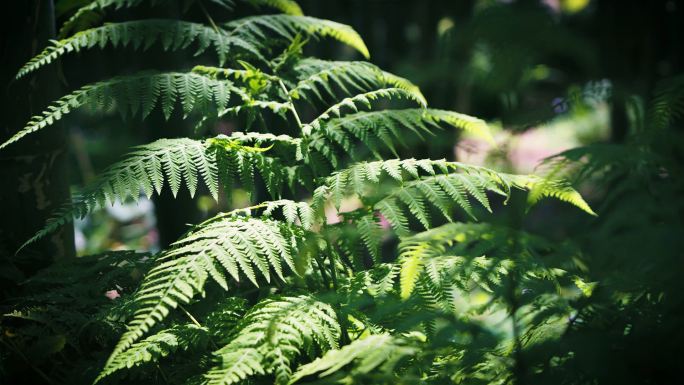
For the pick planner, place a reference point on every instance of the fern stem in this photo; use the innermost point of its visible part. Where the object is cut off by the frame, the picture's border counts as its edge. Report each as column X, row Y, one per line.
column 166, row 381
column 321, row 267
column 197, row 324
column 333, row 268
column 211, row 21
column 294, row 110
column 190, row 316
column 305, row 136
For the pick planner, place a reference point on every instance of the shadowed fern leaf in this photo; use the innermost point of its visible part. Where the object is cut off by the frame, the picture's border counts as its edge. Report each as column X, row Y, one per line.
column 236, row 245
column 271, row 335
column 141, row 92
column 364, row 355
column 216, row 161
column 246, row 34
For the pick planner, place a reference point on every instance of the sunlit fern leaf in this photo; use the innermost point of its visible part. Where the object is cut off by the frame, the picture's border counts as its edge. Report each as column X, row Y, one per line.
column 170, row 160
column 148, row 89
column 360, row 99
column 363, row 356
column 319, row 78
column 442, row 190
column 158, row 345
column 272, row 335
column 234, row 244
column 287, row 26
column 450, row 256
column 386, row 127
column 543, row 187
column 474, row 125
column 392, row 80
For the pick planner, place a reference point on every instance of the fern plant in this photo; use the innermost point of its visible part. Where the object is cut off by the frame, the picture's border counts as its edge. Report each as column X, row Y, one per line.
column 314, row 297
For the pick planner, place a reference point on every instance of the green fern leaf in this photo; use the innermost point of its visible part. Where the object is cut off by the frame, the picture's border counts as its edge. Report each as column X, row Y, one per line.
column 364, row 355
column 543, row 187
column 173, row 160
column 317, row 123
column 286, row 26
column 157, row 346
column 274, row 331
column 234, row 244
column 101, row 95
column 371, row 233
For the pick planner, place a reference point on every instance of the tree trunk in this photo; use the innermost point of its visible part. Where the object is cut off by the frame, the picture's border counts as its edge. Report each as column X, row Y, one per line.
column 34, row 171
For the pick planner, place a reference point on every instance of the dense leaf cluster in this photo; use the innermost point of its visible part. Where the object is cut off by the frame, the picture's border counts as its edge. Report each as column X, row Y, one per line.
column 278, row 293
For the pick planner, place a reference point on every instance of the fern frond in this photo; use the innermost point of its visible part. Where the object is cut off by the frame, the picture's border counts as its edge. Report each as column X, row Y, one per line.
column 363, row 99
column 317, row 77
column 442, row 190
column 543, row 187
column 386, row 127
column 131, row 93
column 668, row 103
column 172, row 34
column 364, row 355
column 271, row 335
column 216, row 161
column 287, row 26
column 156, row 346
column 247, row 34
column 92, row 14
column 395, row 81
column 473, row 125
column 291, row 210
column 235, row 244
column 371, row 232
column 450, row 256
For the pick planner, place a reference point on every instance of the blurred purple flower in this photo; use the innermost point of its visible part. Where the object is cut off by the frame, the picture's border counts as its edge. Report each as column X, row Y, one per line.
column 528, row 291
column 559, row 105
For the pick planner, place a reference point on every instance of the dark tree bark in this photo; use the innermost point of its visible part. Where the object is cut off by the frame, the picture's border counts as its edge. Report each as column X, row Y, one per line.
column 34, row 177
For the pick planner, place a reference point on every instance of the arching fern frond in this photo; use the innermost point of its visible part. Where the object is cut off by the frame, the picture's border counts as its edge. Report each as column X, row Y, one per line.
column 140, row 92
column 158, row 345
column 172, row 34
column 291, row 210
column 443, row 190
column 365, row 355
column 247, row 34
column 319, row 76
column 216, row 161
column 457, row 253
column 392, row 80
column 372, row 128
column 287, row 26
column 271, row 335
column 92, row 14
column 236, row 245
column 363, row 99
column 543, row 187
